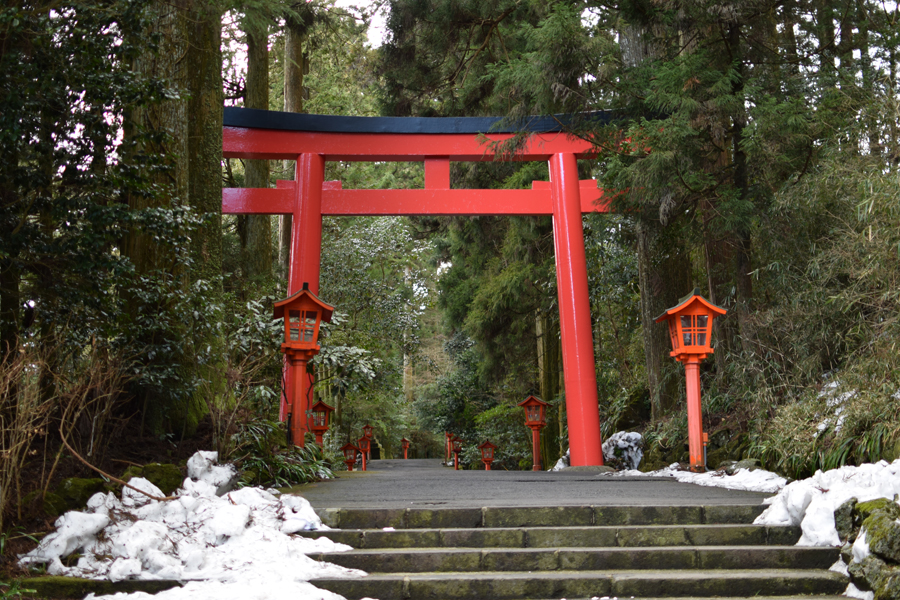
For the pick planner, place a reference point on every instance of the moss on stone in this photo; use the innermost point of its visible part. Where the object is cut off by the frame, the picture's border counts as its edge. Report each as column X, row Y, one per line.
column 883, row 534
column 883, row 504
column 74, row 587
column 50, row 504
column 868, row 574
column 75, row 491
column 167, row 477
column 890, row 587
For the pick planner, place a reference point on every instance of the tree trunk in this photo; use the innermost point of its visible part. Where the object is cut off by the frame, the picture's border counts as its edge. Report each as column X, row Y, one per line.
column 295, row 67
column 664, row 275
column 255, row 231
column 204, row 62
column 664, row 272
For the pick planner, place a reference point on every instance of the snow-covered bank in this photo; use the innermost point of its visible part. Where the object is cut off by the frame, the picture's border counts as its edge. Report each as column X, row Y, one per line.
column 810, row 503
column 238, row 545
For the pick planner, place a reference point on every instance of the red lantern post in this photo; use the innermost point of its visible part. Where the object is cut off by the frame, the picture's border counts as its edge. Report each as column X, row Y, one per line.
column 457, row 448
column 350, row 451
column 303, row 313
column 367, row 433
column 318, row 419
column 364, row 444
column 487, row 453
column 690, row 330
column 535, row 420
column 404, row 443
column 449, row 448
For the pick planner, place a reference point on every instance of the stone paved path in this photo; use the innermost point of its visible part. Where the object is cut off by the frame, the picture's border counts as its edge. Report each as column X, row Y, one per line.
column 425, row 483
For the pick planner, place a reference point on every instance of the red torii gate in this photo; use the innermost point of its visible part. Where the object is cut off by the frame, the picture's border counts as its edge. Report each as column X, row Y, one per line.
column 312, row 140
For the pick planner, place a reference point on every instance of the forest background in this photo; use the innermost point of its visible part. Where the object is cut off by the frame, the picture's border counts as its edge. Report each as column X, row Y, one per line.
column 755, row 156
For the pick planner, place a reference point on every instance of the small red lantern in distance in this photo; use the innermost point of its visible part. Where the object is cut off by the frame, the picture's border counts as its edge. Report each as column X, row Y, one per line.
column 350, row 451
column 404, row 443
column 364, row 444
column 487, row 453
column 534, row 411
column 690, row 330
column 457, row 448
column 534, row 418
column 318, row 419
column 367, row 431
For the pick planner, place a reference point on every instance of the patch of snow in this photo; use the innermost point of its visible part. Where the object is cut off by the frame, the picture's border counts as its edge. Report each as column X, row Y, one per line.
column 625, row 445
column 203, row 466
column 860, row 548
column 230, row 547
column 835, row 402
column 854, row 592
column 562, row 463
column 757, row 480
column 840, row 566
column 811, row 502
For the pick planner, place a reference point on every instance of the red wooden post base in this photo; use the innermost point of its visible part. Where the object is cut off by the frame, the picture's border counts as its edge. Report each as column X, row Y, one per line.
column 695, row 414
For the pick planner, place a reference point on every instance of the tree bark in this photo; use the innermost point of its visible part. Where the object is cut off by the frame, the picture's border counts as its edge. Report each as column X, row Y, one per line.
column 205, row 107
column 295, row 66
column 664, row 275
column 664, row 272
column 255, row 231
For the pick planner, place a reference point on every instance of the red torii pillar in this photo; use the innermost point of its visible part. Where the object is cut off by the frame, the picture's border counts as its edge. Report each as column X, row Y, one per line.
column 309, row 197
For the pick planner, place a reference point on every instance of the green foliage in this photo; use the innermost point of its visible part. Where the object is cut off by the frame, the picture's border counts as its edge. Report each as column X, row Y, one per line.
column 14, row 589
column 266, row 460
column 504, row 426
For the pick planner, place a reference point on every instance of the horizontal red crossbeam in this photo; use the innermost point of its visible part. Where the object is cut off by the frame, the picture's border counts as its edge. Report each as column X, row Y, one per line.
column 340, row 202
column 239, row 142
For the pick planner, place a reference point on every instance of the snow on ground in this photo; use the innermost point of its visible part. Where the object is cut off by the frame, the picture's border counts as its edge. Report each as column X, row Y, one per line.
column 757, row 480
column 810, row 503
column 230, row 547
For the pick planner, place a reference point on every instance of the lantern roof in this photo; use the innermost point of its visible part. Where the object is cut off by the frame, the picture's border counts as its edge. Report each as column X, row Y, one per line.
column 486, row 444
column 321, row 405
column 349, row 446
column 688, row 301
column 281, row 305
column 531, row 401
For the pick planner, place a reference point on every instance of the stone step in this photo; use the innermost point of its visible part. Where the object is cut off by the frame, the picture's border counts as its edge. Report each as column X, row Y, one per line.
column 536, row 516
column 498, row 585
column 552, row 537
column 795, row 597
column 381, row 561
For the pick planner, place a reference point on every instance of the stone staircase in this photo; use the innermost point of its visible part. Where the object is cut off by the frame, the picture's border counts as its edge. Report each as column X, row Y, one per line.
column 497, row 553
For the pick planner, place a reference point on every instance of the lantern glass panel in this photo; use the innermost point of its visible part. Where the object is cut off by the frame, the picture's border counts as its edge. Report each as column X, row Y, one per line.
column 294, row 325
column 701, row 329
column 532, row 413
column 686, row 330
column 309, row 325
column 319, row 418
column 489, row 453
